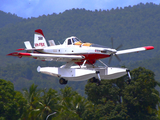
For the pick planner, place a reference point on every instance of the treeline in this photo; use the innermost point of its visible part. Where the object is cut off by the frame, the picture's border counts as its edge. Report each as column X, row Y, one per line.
column 114, row 99
column 8, row 19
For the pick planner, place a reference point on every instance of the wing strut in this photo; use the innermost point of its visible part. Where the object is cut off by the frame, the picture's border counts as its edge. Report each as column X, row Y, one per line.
column 103, row 63
column 83, row 63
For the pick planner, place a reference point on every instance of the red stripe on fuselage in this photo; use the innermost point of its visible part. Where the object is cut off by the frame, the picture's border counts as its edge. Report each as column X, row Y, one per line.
column 92, row 58
column 95, row 56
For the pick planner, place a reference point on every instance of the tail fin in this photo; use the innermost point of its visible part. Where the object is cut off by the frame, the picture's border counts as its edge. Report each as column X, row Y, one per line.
column 39, row 39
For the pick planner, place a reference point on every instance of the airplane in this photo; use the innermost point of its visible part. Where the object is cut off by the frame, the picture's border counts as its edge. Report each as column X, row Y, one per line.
column 80, row 58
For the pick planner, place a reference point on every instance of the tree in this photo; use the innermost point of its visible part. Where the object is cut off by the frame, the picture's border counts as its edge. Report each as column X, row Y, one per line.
column 108, row 90
column 11, row 102
column 107, row 101
column 32, row 96
column 67, row 111
column 140, row 97
column 72, row 104
column 116, row 99
column 48, row 103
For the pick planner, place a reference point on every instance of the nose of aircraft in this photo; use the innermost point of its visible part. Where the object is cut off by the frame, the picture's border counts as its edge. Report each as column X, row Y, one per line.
column 112, row 51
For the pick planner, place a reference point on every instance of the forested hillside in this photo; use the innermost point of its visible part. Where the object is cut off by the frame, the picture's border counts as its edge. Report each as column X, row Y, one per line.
column 8, row 19
column 132, row 26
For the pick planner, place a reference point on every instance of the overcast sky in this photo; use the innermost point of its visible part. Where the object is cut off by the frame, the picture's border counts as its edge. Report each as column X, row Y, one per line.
column 35, row 8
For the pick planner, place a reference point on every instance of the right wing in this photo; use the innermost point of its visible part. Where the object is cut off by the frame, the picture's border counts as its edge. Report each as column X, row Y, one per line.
column 134, row 50
column 48, row 57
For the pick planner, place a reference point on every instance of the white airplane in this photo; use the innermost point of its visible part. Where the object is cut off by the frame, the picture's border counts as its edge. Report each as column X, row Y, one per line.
column 74, row 51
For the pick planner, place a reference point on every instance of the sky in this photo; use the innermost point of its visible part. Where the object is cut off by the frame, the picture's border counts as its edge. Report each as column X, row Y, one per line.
column 35, row 8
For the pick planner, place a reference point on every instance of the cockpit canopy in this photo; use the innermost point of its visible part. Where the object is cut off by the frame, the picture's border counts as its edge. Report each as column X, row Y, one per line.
column 72, row 40
column 75, row 41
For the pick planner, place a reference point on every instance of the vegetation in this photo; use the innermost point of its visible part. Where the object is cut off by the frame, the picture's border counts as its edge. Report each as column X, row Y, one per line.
column 113, row 99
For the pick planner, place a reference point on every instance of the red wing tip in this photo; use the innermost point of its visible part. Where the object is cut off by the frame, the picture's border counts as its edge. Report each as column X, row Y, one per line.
column 13, row 54
column 20, row 49
column 149, row 47
column 24, row 54
column 18, row 54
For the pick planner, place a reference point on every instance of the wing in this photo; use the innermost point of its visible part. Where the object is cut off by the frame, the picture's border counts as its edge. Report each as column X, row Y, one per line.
column 134, row 50
column 48, row 57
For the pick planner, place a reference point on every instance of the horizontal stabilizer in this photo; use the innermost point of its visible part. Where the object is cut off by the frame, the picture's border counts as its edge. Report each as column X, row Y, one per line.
column 34, row 49
column 51, row 42
column 28, row 45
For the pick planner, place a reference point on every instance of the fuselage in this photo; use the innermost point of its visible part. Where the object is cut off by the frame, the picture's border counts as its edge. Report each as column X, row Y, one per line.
column 91, row 54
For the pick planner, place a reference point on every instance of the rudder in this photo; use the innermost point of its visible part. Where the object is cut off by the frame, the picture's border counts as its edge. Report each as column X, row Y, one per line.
column 39, row 39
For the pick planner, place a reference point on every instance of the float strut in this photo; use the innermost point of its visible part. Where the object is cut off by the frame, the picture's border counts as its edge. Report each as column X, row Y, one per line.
column 99, row 78
column 129, row 76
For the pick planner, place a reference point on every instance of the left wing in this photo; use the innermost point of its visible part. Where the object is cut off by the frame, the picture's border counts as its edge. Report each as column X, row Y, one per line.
column 47, row 57
column 134, row 50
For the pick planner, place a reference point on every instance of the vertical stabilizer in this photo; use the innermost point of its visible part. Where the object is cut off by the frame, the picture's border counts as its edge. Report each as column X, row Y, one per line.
column 39, row 39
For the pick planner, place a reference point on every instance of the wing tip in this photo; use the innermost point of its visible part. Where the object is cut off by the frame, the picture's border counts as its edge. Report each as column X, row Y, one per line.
column 149, row 47
column 20, row 49
column 19, row 54
column 13, row 54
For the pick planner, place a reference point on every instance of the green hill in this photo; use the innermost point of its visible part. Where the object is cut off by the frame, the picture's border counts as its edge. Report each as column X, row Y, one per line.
column 132, row 26
column 8, row 19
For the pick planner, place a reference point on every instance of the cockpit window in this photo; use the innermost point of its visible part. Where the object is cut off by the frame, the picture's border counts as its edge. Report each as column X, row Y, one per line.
column 69, row 42
column 78, row 39
column 74, row 40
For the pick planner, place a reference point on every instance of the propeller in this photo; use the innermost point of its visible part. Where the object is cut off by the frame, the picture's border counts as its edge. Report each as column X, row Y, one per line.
column 114, row 53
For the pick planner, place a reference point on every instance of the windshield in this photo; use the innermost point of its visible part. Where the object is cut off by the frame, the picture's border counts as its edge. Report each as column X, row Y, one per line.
column 96, row 45
column 75, row 40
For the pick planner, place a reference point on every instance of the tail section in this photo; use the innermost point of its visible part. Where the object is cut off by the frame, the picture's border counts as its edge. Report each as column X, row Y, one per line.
column 39, row 39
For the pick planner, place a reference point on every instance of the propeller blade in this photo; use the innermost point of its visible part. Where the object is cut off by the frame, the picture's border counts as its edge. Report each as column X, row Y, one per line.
column 118, row 58
column 119, row 46
column 110, row 59
column 114, row 53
